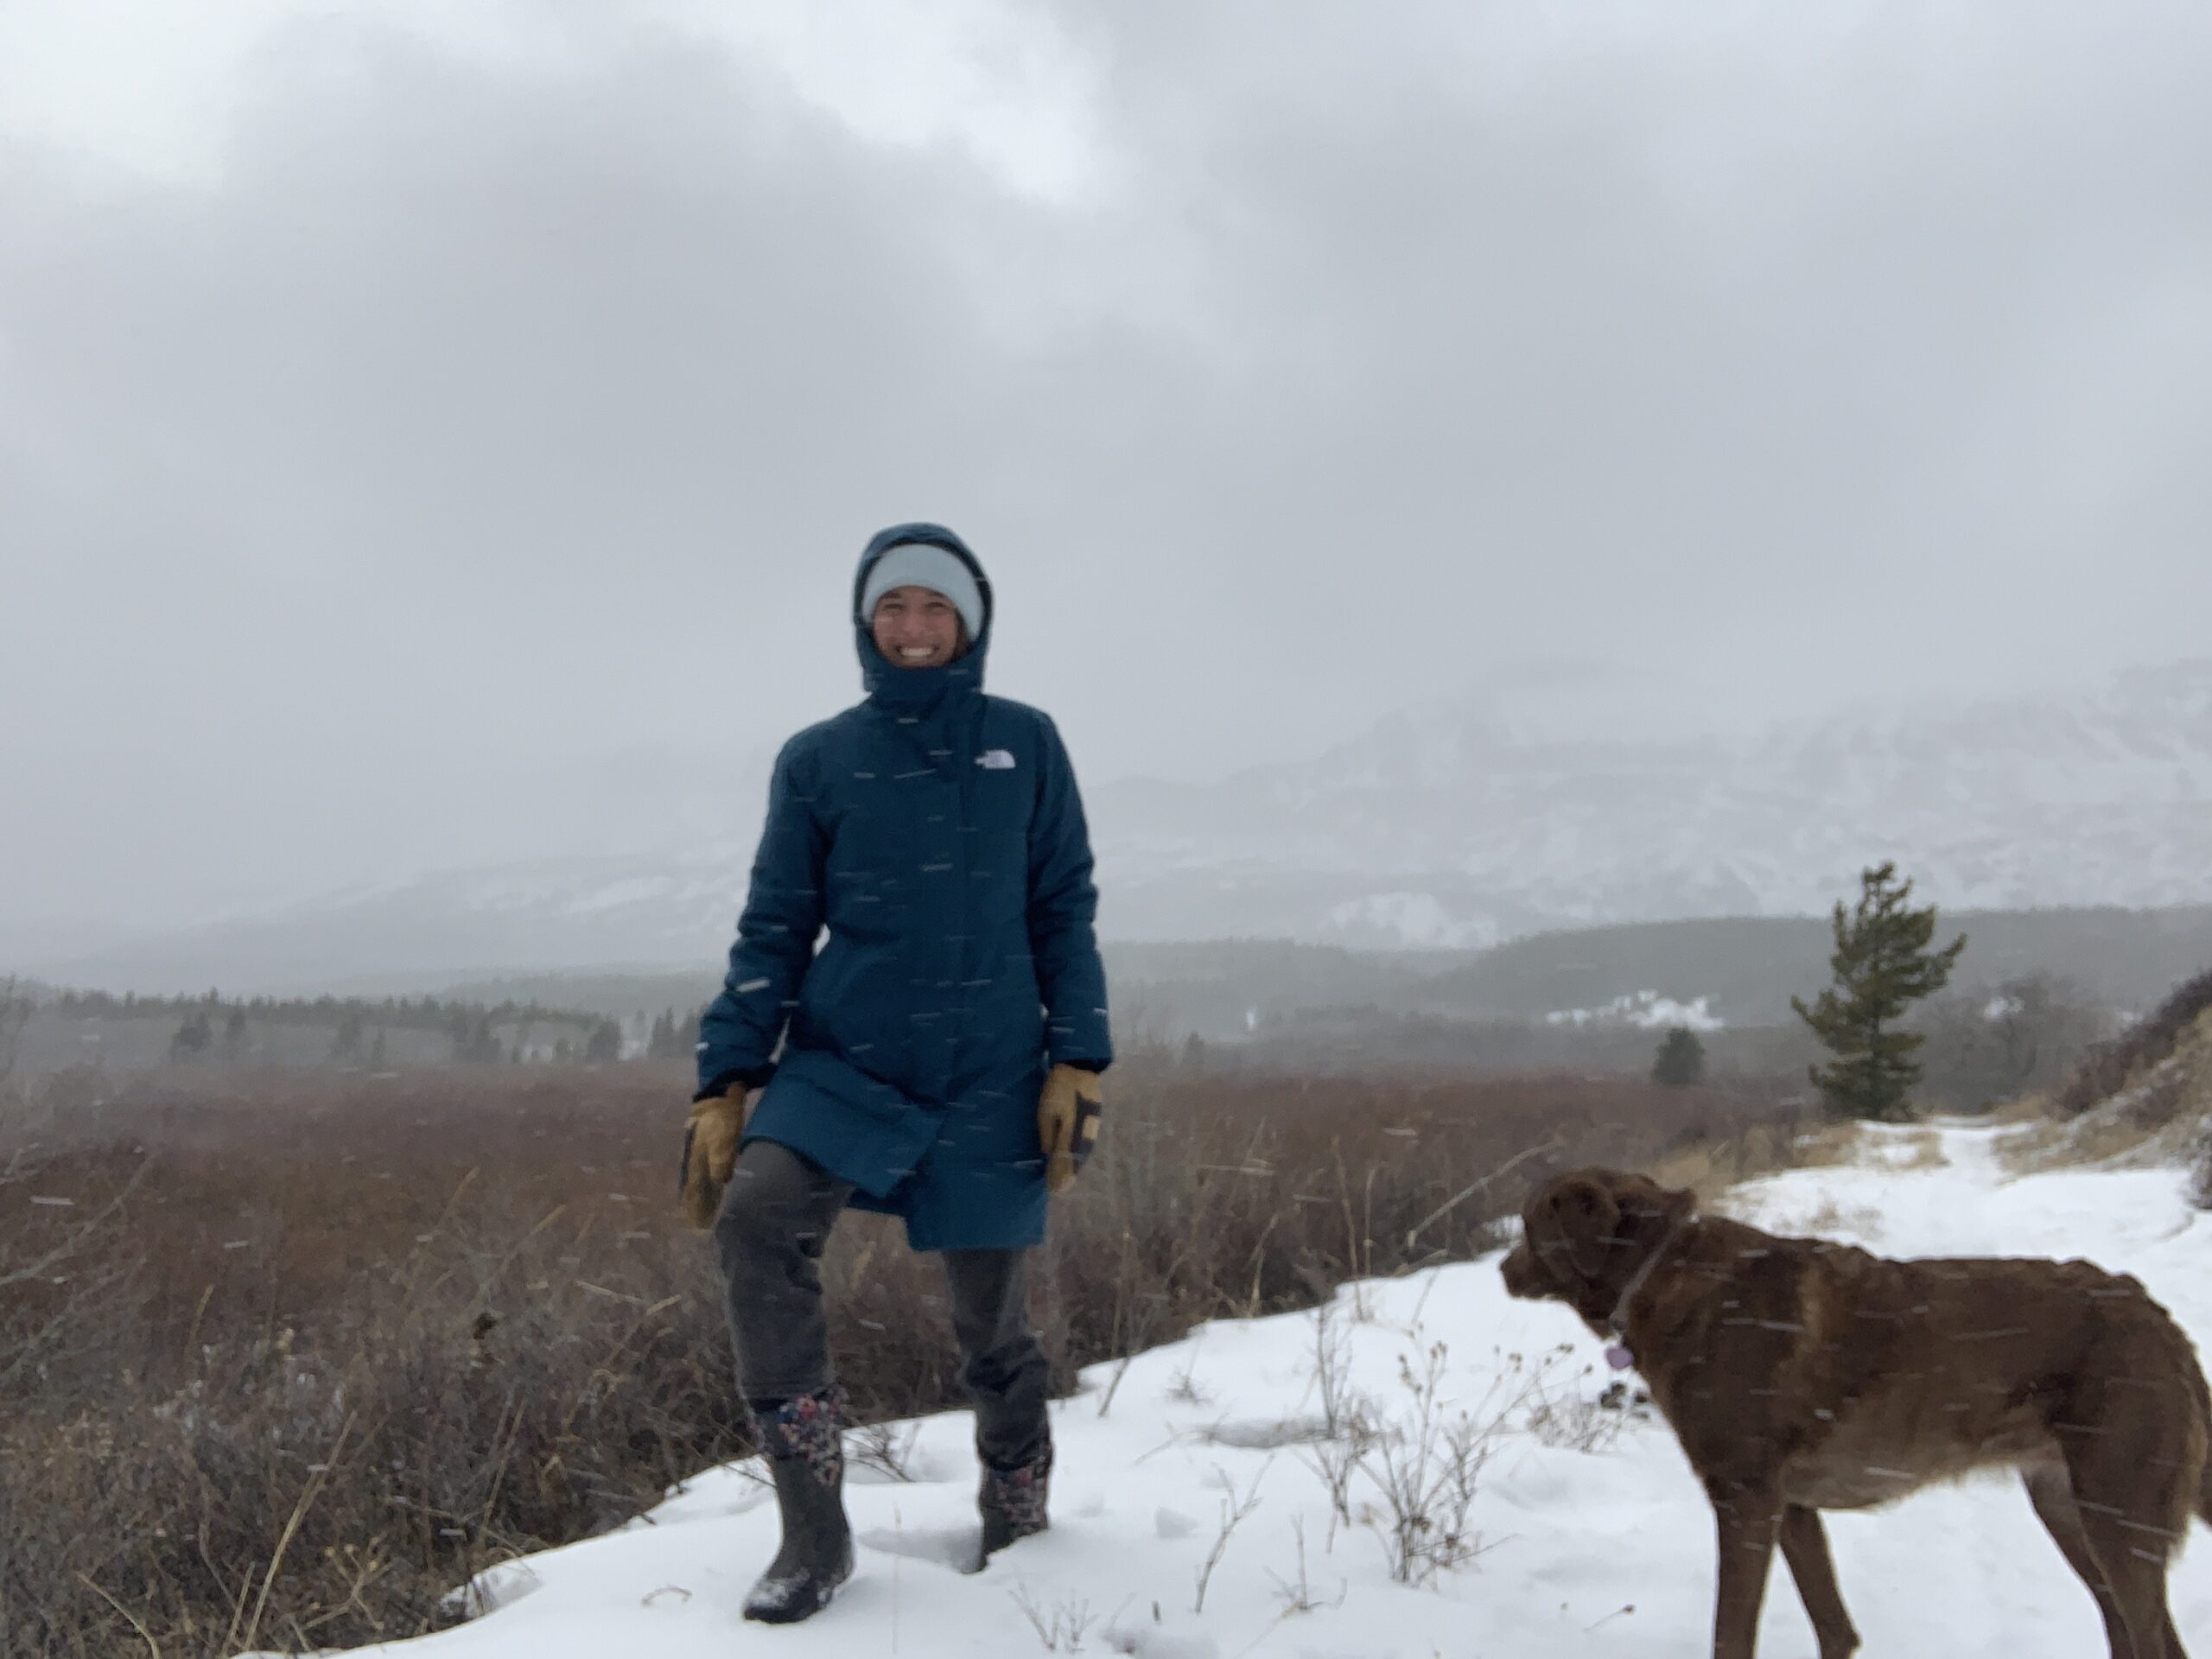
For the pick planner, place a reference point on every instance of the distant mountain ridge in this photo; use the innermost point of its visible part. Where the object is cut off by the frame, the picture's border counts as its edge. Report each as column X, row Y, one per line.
column 1440, row 828
column 1446, row 828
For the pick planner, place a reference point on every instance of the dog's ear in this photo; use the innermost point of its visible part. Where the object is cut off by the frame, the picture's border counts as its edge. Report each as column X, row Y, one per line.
column 1582, row 1217
column 1656, row 1207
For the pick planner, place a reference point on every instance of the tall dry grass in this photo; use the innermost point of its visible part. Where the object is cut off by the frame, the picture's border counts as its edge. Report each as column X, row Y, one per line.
column 286, row 1358
column 2107, row 1067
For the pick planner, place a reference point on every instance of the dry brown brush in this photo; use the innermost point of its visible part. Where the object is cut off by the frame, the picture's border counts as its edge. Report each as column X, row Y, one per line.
column 2107, row 1067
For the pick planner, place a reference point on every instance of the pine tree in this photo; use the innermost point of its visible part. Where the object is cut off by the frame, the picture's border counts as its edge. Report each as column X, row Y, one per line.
column 345, row 1045
column 1679, row 1063
column 1882, row 966
column 479, row 1044
column 673, row 1037
column 192, row 1038
column 15, row 1011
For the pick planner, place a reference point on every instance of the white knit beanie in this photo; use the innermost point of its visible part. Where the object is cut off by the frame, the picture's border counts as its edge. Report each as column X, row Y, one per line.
column 925, row 564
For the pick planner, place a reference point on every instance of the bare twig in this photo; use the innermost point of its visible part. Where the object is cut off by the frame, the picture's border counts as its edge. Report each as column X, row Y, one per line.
column 1233, row 1513
column 886, row 1447
column 308, row 1496
column 1473, row 1187
column 1062, row 1627
column 145, row 1635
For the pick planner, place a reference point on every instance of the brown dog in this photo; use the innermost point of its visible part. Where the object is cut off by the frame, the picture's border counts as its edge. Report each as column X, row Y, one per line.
column 1801, row 1376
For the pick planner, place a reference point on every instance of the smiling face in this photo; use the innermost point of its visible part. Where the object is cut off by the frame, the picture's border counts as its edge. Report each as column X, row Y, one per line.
column 917, row 628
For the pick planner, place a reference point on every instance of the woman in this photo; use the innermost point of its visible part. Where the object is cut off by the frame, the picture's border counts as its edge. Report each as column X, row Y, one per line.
column 940, row 1052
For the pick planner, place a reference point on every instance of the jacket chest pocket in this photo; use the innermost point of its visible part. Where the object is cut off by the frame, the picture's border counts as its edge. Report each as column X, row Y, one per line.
column 997, row 802
column 893, row 833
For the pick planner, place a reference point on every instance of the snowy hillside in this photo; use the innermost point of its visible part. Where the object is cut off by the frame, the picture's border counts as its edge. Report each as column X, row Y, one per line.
column 1445, row 826
column 1439, row 827
column 1192, row 1519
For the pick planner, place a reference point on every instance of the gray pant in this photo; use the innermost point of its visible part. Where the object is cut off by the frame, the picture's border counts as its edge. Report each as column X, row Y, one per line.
column 774, row 1223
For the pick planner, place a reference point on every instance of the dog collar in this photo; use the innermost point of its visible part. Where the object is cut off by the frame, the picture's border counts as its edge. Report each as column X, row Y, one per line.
column 1618, row 1354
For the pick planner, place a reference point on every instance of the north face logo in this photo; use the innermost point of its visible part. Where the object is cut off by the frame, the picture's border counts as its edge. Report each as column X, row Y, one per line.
column 996, row 760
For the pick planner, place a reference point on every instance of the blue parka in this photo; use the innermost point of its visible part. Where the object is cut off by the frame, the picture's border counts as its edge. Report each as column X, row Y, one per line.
column 937, row 835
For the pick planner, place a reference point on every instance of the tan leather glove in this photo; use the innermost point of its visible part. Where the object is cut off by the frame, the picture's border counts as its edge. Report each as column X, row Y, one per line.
column 710, row 1153
column 1067, row 1123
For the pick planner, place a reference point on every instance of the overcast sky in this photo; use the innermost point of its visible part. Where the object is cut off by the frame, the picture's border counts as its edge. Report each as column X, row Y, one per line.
column 431, row 430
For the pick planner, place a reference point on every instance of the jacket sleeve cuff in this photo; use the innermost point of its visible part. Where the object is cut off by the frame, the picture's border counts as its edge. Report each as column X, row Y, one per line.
column 751, row 1076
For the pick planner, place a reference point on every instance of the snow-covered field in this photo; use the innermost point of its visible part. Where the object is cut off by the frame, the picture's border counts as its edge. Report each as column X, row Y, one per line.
column 1588, row 1535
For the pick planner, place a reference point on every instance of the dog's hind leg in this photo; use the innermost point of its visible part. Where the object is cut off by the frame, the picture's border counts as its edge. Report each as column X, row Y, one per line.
column 2129, row 1537
column 1805, row 1546
column 1748, row 1518
column 2135, row 1567
column 2052, row 1494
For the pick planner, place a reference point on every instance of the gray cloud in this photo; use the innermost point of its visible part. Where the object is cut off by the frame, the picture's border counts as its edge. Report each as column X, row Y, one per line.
column 473, row 464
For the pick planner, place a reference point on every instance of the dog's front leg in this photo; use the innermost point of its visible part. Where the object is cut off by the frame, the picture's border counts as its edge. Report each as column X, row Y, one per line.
column 1805, row 1546
column 1749, row 1514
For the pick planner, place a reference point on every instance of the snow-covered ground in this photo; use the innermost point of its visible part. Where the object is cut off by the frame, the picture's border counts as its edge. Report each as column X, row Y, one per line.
column 1588, row 1535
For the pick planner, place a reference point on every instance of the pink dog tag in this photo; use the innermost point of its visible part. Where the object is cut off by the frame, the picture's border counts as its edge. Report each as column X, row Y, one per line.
column 1618, row 1358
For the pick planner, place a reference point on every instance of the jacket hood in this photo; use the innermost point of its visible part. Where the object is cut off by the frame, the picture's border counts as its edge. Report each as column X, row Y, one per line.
column 919, row 691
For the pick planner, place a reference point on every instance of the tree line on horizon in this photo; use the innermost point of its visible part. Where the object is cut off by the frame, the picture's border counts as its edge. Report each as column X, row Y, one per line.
column 1870, row 1019
column 211, row 1026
